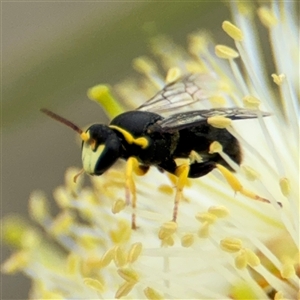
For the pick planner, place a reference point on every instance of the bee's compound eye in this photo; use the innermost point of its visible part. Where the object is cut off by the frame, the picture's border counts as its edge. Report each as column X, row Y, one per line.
column 90, row 156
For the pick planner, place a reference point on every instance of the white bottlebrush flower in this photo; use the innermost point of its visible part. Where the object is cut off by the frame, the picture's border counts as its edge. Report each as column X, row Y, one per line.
column 224, row 246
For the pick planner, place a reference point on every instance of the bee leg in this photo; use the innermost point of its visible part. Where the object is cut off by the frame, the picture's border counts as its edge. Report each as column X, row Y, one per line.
column 132, row 166
column 182, row 173
column 237, row 186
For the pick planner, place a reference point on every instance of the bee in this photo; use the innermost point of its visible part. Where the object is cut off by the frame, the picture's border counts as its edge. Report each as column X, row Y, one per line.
column 144, row 138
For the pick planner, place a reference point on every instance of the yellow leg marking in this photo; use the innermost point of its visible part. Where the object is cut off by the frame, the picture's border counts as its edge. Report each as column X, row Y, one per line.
column 237, row 186
column 130, row 139
column 182, row 173
column 132, row 166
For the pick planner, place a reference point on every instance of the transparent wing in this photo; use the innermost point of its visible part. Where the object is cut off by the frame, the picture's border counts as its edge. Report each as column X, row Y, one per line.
column 196, row 117
column 182, row 92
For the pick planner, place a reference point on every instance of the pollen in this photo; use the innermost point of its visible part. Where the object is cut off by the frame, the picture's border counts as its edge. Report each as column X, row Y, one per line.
column 38, row 206
column 231, row 245
column 166, row 230
column 226, row 52
column 215, row 147
column 134, row 252
column 173, row 74
column 266, row 17
column 94, row 284
column 152, row 294
column 16, row 262
column 187, row 240
column 233, row 31
column 252, row 259
column 219, row 211
column 203, row 232
column 288, row 270
column 250, row 173
column 219, row 121
column 118, row 206
column 278, row 79
column 62, row 224
column 285, row 186
column 206, row 217
column 107, row 257
column 143, row 65
column 122, row 233
column 240, row 260
column 101, row 94
column 128, row 274
column 124, row 289
column 73, row 264
column 120, row 257
column 251, row 102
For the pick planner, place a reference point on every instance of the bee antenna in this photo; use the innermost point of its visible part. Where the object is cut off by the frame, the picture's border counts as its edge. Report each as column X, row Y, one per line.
column 61, row 120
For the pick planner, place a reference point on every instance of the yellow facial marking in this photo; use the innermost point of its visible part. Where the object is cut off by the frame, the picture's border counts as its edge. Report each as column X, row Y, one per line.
column 141, row 141
column 90, row 157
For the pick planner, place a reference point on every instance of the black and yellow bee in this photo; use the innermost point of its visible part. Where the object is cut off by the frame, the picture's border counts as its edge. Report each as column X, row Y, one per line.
column 144, row 138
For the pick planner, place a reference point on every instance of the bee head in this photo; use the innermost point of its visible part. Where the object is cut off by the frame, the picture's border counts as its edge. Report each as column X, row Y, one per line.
column 100, row 145
column 100, row 149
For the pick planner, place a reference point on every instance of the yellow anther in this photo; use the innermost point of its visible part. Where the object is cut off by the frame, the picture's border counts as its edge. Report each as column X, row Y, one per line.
column 278, row 79
column 94, row 284
column 118, row 206
column 124, row 289
column 287, row 270
column 15, row 263
column 250, row 173
column 226, row 52
column 122, row 233
column 134, row 252
column 266, row 17
column 233, row 31
column 166, row 189
column 168, row 241
column 143, row 65
column 279, row 296
column 252, row 259
column 93, row 262
column 285, row 186
column 141, row 141
column 204, row 230
column 217, row 100
column 152, row 294
column 251, row 102
column 215, row 147
column 73, row 264
column 120, row 257
column 173, row 74
column 206, row 217
column 195, row 157
column 187, row 240
column 219, row 121
column 231, row 245
column 219, row 211
column 230, row 178
column 241, row 260
column 62, row 223
column 167, row 229
column 38, row 206
column 101, row 94
column 107, row 257
column 128, row 274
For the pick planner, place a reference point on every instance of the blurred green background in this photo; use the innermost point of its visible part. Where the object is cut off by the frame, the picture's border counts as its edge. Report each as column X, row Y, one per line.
column 52, row 52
